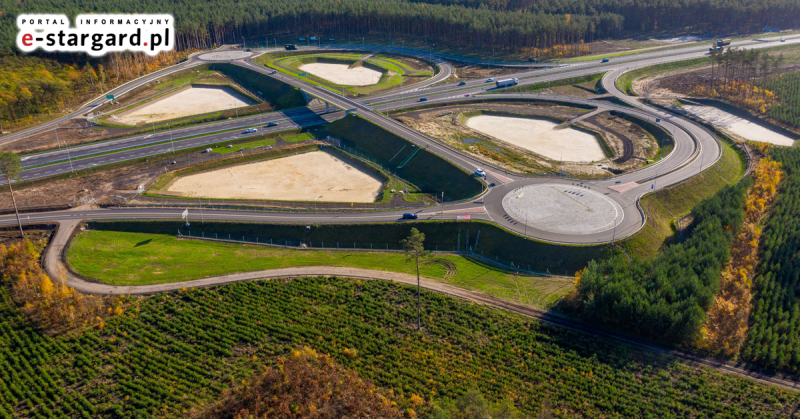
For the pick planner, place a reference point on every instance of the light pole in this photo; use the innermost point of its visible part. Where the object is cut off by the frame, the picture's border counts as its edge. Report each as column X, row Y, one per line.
column 244, row 44
column 316, row 216
column 170, row 138
column 69, row 157
column 442, row 206
column 57, row 141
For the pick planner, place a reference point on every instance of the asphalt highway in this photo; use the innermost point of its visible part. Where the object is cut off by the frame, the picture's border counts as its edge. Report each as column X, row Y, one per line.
column 695, row 149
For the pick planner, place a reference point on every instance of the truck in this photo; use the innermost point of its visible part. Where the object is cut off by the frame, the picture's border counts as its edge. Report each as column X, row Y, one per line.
column 724, row 42
column 507, row 82
column 290, row 47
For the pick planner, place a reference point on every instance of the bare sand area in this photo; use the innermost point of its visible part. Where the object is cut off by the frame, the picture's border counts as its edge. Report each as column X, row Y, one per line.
column 300, row 177
column 191, row 101
column 342, row 74
column 541, row 137
column 739, row 126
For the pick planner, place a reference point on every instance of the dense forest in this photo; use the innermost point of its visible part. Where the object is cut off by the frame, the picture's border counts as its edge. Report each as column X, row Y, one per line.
column 774, row 337
column 666, row 298
column 510, row 25
column 31, row 85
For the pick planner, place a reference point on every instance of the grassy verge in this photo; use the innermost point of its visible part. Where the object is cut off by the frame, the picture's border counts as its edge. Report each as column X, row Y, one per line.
column 625, row 81
column 123, row 258
column 488, row 240
column 427, row 171
column 393, row 72
column 536, row 87
column 664, row 207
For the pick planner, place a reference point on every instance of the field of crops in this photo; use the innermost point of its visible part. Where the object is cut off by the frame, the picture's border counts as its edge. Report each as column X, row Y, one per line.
column 171, row 352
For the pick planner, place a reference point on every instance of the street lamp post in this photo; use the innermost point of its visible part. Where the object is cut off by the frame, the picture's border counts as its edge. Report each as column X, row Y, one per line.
column 170, row 138
column 442, row 206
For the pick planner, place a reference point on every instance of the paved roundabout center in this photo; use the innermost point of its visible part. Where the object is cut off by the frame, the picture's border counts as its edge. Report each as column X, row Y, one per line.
column 224, row 55
column 564, row 209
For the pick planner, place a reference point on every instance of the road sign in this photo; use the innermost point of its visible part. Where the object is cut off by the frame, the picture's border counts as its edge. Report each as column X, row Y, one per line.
column 184, row 214
column 110, row 97
column 302, row 74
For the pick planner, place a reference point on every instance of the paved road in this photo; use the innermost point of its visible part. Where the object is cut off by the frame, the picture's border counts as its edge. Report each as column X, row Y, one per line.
column 55, row 267
column 695, row 149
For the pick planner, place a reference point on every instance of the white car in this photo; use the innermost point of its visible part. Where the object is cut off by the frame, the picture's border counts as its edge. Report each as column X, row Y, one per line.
column 480, row 172
column 250, row 130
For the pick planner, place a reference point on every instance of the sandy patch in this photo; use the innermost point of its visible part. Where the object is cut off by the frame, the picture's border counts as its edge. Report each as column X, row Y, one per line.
column 539, row 136
column 191, row 101
column 738, row 126
column 295, row 178
column 342, row 75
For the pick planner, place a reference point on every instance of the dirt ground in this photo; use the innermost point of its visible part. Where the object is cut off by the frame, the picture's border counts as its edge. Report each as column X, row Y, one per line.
column 72, row 132
column 342, row 74
column 470, row 72
column 446, row 124
column 192, row 100
column 10, row 234
column 300, row 177
column 101, row 187
column 540, row 136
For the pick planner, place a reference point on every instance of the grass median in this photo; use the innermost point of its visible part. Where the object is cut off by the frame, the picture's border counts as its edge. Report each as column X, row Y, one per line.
column 125, row 258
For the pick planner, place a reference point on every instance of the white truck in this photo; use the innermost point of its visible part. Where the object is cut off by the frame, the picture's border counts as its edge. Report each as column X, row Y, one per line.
column 507, row 82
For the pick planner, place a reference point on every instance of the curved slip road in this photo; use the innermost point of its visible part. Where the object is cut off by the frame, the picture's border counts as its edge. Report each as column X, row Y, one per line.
column 54, row 266
column 694, row 151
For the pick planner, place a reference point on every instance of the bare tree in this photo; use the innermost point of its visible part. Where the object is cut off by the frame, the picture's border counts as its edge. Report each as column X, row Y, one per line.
column 9, row 164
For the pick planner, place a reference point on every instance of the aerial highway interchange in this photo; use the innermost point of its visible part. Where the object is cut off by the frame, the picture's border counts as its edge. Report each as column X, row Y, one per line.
column 695, row 148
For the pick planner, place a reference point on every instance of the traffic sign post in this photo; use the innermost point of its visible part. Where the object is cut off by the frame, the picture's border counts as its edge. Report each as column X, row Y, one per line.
column 110, row 97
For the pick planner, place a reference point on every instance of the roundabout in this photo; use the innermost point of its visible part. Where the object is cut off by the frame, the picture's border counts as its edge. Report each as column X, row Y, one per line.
column 224, row 55
column 563, row 209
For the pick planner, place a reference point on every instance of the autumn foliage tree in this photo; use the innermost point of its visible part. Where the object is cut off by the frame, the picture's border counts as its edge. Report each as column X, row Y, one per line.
column 726, row 322
column 52, row 305
column 307, row 384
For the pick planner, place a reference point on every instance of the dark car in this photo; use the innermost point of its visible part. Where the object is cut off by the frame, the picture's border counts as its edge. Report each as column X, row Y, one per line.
column 272, row 124
column 462, row 83
column 423, row 99
column 410, row 216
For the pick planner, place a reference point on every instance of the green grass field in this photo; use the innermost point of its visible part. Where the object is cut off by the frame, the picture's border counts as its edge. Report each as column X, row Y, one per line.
column 123, row 258
column 393, row 72
column 664, row 207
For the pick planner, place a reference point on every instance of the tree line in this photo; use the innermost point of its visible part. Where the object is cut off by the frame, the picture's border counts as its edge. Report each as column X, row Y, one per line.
column 757, row 81
column 506, row 25
column 666, row 298
column 773, row 340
